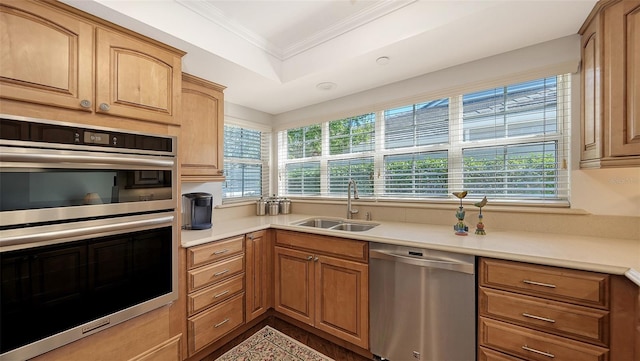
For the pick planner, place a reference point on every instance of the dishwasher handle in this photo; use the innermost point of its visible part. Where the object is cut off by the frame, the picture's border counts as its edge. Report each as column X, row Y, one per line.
column 457, row 266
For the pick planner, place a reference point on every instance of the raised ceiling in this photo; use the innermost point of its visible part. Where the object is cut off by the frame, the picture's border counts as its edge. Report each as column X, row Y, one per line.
column 271, row 55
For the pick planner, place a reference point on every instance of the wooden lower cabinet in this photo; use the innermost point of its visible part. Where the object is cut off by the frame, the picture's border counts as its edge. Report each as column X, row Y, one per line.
column 215, row 291
column 212, row 324
column 259, row 284
column 487, row 354
column 166, row 351
column 143, row 335
column 535, row 312
column 327, row 292
column 529, row 344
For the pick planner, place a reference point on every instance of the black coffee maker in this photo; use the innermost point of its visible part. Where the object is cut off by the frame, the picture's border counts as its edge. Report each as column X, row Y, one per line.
column 197, row 210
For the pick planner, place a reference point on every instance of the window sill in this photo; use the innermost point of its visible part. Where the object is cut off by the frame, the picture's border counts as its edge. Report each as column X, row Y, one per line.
column 446, row 204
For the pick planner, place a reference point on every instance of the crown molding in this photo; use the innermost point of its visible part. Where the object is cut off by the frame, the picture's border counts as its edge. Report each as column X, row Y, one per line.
column 215, row 15
column 361, row 18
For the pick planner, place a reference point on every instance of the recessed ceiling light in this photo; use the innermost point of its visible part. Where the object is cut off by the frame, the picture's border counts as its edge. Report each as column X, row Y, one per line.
column 327, row 85
column 383, row 60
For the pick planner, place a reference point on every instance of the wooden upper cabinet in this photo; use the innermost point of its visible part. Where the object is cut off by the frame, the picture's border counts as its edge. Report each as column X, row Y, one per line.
column 610, row 134
column 591, row 137
column 136, row 79
column 622, row 79
column 55, row 55
column 47, row 56
column 202, row 130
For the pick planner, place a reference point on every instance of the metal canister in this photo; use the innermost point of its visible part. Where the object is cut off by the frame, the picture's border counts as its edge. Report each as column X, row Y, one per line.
column 285, row 206
column 274, row 207
column 261, row 207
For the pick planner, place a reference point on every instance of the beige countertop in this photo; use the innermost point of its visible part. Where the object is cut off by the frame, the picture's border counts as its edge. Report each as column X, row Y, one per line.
column 614, row 256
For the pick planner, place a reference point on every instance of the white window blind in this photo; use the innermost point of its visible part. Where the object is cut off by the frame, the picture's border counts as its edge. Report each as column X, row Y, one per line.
column 246, row 166
column 508, row 143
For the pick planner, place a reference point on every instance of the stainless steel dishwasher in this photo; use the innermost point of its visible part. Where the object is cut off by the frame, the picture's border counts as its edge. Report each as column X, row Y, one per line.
column 423, row 304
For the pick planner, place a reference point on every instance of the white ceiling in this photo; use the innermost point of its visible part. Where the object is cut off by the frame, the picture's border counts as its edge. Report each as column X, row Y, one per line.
column 271, row 54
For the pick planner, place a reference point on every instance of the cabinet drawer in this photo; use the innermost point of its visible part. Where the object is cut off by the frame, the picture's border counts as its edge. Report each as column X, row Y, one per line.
column 217, row 293
column 210, row 325
column 535, row 345
column 585, row 324
column 214, row 251
column 342, row 247
column 215, row 272
column 580, row 287
column 486, row 354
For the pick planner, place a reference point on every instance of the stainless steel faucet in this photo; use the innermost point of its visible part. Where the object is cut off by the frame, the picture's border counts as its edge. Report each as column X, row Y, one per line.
column 351, row 212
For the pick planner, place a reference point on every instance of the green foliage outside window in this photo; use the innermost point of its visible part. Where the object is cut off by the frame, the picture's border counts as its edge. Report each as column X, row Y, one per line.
column 304, row 142
column 512, row 170
column 351, row 135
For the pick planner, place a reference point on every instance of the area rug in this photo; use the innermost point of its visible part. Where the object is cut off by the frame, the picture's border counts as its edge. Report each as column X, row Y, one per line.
column 269, row 344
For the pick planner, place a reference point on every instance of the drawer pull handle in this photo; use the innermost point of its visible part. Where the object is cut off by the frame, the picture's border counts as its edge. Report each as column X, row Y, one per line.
column 221, row 323
column 221, row 294
column 539, row 284
column 550, row 320
column 526, row 348
column 220, row 273
column 220, row 252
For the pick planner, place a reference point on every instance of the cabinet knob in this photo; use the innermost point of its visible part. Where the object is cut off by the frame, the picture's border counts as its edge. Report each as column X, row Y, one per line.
column 104, row 107
column 251, row 237
column 85, row 103
column 315, row 259
column 309, row 258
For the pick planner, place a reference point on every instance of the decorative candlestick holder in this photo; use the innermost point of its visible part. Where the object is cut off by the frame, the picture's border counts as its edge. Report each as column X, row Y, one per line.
column 460, row 228
column 480, row 226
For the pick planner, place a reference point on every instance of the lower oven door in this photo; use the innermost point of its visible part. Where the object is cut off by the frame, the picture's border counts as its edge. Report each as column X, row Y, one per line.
column 65, row 281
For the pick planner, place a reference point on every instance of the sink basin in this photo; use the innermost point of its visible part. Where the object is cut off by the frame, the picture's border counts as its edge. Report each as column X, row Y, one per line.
column 354, row 227
column 319, row 223
column 335, row 224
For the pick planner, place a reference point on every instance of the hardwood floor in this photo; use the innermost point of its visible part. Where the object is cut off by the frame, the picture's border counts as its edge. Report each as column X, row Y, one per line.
column 317, row 343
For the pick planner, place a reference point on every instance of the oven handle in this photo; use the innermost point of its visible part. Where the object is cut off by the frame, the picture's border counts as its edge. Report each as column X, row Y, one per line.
column 103, row 158
column 54, row 236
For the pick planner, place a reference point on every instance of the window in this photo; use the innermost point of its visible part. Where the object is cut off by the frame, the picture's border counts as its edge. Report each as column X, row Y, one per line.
column 508, row 143
column 246, row 166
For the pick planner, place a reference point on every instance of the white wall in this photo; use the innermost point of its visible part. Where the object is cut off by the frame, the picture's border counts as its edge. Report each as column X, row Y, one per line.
column 612, row 192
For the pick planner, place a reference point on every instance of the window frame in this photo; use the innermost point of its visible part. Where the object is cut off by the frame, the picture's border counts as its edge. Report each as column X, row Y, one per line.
column 264, row 162
column 455, row 149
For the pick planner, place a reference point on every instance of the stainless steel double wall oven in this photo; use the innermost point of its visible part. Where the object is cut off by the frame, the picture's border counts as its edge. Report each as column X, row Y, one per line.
column 88, row 230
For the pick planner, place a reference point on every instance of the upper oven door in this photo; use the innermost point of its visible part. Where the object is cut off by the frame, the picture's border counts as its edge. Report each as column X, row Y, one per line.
column 53, row 185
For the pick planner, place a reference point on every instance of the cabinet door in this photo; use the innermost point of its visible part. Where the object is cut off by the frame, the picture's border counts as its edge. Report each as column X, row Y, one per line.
column 294, row 284
column 622, row 78
column 46, row 56
column 342, row 299
column 257, row 270
column 591, row 146
column 136, row 79
column 202, row 130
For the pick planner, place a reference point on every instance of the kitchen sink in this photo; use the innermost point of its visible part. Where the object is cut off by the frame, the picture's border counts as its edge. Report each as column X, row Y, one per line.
column 319, row 223
column 338, row 225
column 354, row 227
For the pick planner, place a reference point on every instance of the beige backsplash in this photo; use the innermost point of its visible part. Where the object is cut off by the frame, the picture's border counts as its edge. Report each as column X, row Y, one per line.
column 556, row 221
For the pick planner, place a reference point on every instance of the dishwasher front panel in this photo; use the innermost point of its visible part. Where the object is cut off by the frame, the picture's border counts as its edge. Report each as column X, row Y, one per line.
column 423, row 304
